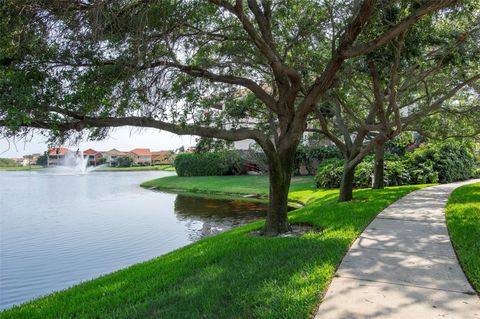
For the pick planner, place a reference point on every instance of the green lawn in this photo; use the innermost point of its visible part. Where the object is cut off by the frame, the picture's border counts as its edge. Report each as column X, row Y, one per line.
column 21, row 168
column 168, row 168
column 463, row 221
column 233, row 274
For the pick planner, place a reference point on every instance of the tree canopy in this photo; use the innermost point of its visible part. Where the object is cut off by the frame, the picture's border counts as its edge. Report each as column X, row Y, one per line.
column 426, row 78
column 223, row 69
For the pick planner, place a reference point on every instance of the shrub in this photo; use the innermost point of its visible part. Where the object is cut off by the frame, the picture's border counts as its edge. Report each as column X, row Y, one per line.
column 6, row 162
column 430, row 163
column 254, row 158
column 329, row 173
column 363, row 174
column 456, row 163
column 476, row 173
column 399, row 144
column 423, row 173
column 451, row 161
column 311, row 157
column 396, row 173
column 209, row 164
column 124, row 161
column 236, row 162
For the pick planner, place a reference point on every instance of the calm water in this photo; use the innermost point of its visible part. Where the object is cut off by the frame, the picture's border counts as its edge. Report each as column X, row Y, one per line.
column 59, row 230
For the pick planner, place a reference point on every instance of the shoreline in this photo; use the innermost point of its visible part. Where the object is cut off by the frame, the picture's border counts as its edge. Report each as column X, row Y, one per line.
column 21, row 168
column 163, row 168
column 301, row 189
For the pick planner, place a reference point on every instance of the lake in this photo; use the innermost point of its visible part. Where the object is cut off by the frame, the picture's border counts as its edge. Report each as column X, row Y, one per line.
column 58, row 230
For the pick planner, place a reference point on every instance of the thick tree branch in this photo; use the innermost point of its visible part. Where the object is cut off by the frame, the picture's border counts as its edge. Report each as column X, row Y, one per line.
column 80, row 122
column 393, row 87
column 199, row 72
column 379, row 102
column 341, row 124
column 439, row 102
column 326, row 131
column 475, row 134
column 366, row 48
column 325, row 80
column 350, row 112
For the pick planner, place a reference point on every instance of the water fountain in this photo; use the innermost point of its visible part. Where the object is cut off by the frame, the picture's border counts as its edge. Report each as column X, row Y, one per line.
column 75, row 163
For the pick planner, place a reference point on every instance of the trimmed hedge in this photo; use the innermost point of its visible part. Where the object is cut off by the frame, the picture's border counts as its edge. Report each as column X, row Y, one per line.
column 432, row 163
column 209, row 164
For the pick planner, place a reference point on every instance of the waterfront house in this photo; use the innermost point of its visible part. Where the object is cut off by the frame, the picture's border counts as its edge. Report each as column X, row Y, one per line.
column 56, row 156
column 112, row 156
column 30, row 159
column 93, row 156
column 141, row 156
column 20, row 161
column 162, row 157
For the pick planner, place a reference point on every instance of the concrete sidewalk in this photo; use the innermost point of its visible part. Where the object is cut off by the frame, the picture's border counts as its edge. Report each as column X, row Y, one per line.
column 403, row 266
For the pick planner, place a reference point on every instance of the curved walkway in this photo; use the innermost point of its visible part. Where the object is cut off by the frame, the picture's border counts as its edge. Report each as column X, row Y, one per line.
column 403, row 266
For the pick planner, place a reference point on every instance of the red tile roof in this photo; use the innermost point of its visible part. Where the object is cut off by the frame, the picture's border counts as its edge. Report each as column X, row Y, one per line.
column 141, row 152
column 156, row 153
column 114, row 152
column 58, row 151
column 90, row 152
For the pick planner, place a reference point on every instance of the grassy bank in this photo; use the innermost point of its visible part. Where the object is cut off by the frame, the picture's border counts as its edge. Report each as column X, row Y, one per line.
column 300, row 189
column 21, row 168
column 463, row 221
column 233, row 274
column 168, row 168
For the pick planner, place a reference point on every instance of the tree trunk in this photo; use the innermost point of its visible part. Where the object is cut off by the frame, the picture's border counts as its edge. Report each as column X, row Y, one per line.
column 280, row 174
column 379, row 169
column 346, row 185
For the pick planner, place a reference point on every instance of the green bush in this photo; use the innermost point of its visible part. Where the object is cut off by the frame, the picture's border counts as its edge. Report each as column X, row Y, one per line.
column 363, row 174
column 396, row 173
column 423, row 173
column 452, row 161
column 312, row 156
column 6, row 162
column 209, row 164
column 431, row 163
column 329, row 173
column 476, row 173
column 124, row 161
column 399, row 144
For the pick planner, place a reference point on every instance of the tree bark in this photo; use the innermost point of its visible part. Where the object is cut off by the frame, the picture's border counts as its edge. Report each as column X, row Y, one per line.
column 280, row 174
column 346, row 185
column 379, row 169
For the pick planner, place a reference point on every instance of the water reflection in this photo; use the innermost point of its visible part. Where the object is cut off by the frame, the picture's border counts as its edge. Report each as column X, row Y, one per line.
column 205, row 217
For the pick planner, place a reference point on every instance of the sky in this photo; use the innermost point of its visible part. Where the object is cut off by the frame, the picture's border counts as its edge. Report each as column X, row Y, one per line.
column 123, row 139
